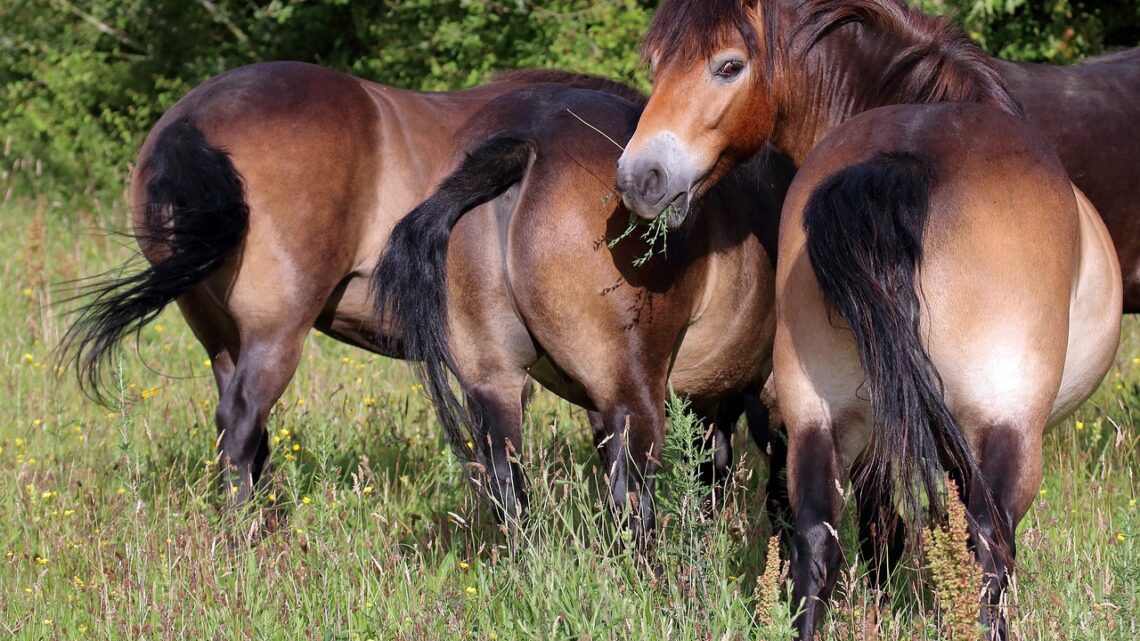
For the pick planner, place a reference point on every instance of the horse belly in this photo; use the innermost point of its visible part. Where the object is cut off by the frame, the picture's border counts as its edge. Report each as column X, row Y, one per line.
column 1094, row 314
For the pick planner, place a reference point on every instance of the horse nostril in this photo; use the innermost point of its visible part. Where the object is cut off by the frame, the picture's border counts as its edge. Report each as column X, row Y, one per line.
column 651, row 185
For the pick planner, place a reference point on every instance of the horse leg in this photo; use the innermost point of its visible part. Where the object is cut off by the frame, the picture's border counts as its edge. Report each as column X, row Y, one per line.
column 632, row 451
column 1011, row 468
column 813, row 474
column 264, row 369
column 497, row 404
column 766, row 427
column 717, row 439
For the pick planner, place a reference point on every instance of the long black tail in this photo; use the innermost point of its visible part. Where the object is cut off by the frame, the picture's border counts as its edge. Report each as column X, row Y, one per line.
column 409, row 284
column 865, row 228
column 195, row 214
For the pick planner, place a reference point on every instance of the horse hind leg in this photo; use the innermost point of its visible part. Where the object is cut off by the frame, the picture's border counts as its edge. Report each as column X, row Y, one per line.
column 264, row 368
column 1011, row 469
column 497, row 408
column 813, row 473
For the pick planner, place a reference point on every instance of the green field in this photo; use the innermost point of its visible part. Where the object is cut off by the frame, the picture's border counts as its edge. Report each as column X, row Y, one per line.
column 111, row 526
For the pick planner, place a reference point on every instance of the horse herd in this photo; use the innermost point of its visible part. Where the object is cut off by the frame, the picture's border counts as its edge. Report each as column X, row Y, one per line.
column 890, row 232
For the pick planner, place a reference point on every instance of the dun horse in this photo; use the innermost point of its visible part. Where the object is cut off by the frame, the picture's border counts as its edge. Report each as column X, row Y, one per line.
column 527, row 283
column 262, row 200
column 943, row 291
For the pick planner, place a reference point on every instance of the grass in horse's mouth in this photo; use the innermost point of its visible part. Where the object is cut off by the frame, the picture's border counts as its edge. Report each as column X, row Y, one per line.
column 656, row 228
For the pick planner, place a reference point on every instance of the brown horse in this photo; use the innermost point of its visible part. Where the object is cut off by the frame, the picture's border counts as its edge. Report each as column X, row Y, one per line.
column 262, row 200
column 943, row 291
column 526, row 283
column 1089, row 112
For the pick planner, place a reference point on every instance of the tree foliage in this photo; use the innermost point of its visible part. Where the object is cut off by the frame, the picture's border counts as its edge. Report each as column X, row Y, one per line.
column 81, row 81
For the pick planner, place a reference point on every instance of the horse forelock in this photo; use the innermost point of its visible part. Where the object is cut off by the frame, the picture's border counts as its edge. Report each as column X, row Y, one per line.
column 937, row 63
column 692, row 30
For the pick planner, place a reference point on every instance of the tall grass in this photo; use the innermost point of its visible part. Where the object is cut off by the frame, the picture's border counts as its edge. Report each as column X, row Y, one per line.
column 111, row 526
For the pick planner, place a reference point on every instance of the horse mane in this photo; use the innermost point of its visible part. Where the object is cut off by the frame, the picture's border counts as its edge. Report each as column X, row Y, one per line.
column 939, row 62
column 695, row 29
column 572, row 79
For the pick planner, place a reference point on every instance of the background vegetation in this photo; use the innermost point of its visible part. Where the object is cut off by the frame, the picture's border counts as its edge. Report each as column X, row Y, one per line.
column 110, row 525
column 81, row 81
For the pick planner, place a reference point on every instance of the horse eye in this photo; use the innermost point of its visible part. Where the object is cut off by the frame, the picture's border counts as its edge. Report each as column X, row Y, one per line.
column 730, row 69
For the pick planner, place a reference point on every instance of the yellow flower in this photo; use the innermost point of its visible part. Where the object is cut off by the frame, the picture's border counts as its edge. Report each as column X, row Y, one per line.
column 300, row 401
column 276, row 439
column 471, row 591
column 1120, row 536
column 463, row 565
column 369, row 401
column 28, row 358
column 306, row 500
column 121, row 491
column 48, row 622
column 368, row 490
column 273, row 496
column 28, row 292
column 1043, row 492
column 41, row 560
column 81, row 629
column 300, row 532
column 296, row 447
column 20, row 442
column 470, row 445
column 1132, row 503
column 290, row 457
column 492, row 636
column 1080, row 426
column 346, row 360
column 1136, row 360
column 403, row 478
column 77, row 581
column 47, row 495
column 36, row 422
column 68, row 512
column 158, row 329
column 207, row 362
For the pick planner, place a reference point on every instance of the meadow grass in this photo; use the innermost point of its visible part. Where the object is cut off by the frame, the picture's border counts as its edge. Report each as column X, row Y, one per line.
column 112, row 527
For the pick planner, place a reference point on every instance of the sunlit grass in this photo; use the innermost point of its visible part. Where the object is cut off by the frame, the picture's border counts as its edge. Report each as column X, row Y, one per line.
column 111, row 525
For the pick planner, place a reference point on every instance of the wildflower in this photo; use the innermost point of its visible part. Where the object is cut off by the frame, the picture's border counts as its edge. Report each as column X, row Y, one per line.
column 471, row 591
column 68, row 512
column 368, row 490
column 28, row 358
column 121, row 491
column 346, row 360
column 276, row 439
column 403, row 478
column 36, row 422
column 290, row 457
column 492, row 636
column 158, row 329
column 77, row 581
column 470, row 445
column 1132, row 503
column 208, row 362
column 41, row 560
column 47, row 495
column 1120, row 537
column 48, row 622
column 306, row 500
column 82, row 629
column 300, row 532
column 283, row 432
column 20, row 442
column 28, row 292
column 369, row 401
column 296, row 447
column 31, row 460
column 463, row 565
column 1080, row 426
column 300, row 401
column 1043, row 491
column 272, row 496
column 27, row 590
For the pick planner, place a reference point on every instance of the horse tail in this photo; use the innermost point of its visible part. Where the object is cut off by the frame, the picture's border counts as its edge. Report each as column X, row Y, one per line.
column 194, row 218
column 409, row 284
column 865, row 227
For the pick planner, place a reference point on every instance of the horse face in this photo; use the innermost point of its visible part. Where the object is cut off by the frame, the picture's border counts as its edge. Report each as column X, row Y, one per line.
column 704, row 115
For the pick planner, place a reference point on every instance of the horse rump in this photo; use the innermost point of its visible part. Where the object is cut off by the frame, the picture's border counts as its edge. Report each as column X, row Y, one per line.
column 194, row 218
column 409, row 284
column 865, row 226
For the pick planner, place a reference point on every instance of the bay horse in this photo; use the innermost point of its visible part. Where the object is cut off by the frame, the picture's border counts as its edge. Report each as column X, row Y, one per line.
column 1089, row 111
column 507, row 270
column 944, row 292
column 261, row 201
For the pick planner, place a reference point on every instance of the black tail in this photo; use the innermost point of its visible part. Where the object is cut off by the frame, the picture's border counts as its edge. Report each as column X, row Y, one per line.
column 409, row 284
column 865, row 228
column 197, row 216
